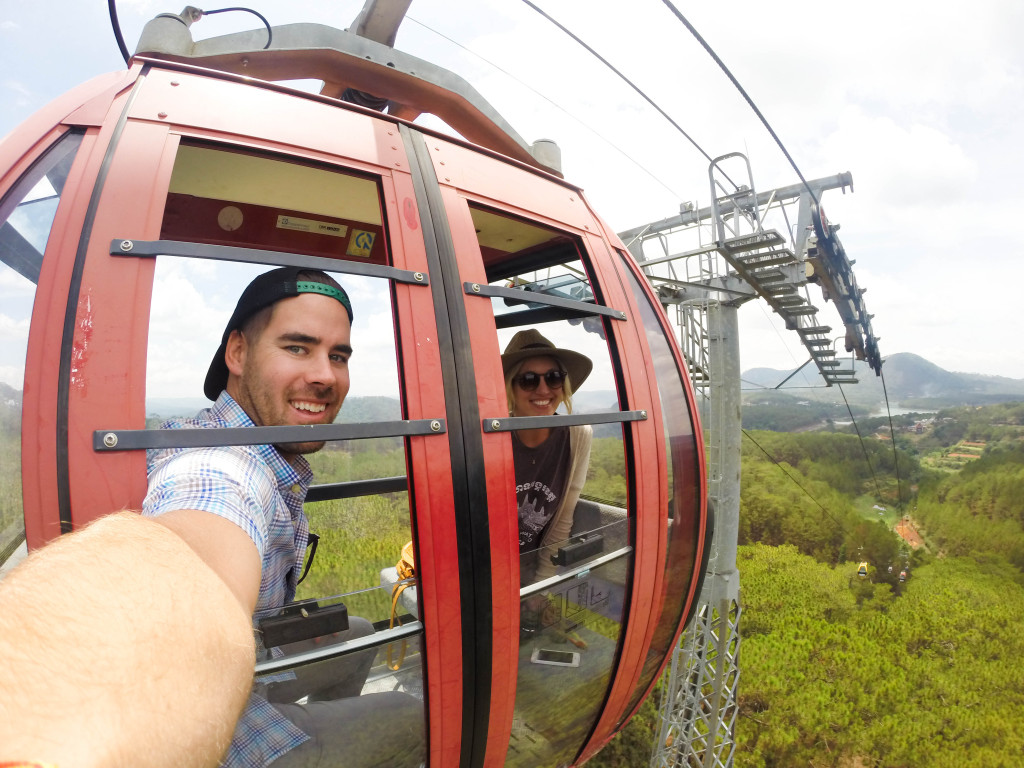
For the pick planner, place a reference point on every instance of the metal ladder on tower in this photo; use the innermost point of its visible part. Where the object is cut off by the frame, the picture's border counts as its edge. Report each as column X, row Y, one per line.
column 743, row 260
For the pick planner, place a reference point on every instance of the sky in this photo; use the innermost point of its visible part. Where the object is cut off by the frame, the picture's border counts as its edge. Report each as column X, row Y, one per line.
column 922, row 102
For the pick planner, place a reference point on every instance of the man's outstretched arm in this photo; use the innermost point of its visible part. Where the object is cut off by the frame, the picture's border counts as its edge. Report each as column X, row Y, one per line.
column 120, row 646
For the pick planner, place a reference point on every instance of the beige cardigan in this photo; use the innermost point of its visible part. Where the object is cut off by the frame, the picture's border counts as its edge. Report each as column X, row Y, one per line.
column 558, row 530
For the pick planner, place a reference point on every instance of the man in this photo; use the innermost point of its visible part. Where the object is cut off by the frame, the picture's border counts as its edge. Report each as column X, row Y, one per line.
column 283, row 360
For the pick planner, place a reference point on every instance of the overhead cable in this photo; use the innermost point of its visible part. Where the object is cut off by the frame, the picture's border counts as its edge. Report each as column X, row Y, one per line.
column 743, row 93
column 116, row 26
column 860, row 437
column 795, row 481
column 625, row 79
column 892, row 434
column 552, row 102
column 270, row 31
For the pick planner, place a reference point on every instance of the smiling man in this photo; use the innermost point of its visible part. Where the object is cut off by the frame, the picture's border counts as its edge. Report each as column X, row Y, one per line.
column 283, row 360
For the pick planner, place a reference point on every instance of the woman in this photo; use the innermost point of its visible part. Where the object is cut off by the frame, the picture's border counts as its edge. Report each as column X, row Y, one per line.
column 550, row 462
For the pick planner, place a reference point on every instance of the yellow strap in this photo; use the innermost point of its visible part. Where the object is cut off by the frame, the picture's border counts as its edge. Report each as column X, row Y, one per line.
column 396, row 592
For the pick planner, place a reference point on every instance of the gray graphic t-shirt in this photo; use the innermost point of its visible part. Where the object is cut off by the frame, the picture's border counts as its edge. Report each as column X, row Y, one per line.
column 541, row 477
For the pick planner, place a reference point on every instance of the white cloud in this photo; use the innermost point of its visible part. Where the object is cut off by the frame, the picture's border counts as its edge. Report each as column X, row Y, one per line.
column 13, row 375
column 902, row 165
column 921, row 101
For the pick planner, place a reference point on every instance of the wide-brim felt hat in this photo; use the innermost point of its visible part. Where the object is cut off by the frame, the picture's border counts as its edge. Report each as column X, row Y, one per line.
column 531, row 343
column 266, row 289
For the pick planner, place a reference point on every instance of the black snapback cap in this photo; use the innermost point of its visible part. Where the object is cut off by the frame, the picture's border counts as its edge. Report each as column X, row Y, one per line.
column 266, row 289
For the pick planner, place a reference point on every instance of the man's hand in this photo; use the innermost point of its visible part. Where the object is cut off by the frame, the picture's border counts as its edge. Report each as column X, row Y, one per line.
column 120, row 647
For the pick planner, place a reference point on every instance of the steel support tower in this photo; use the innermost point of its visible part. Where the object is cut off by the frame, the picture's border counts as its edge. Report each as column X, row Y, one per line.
column 704, row 263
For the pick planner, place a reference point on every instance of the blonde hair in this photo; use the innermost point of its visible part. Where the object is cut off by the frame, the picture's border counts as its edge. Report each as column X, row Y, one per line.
column 512, row 372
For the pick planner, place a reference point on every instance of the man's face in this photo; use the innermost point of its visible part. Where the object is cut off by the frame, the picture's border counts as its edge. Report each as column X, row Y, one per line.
column 296, row 370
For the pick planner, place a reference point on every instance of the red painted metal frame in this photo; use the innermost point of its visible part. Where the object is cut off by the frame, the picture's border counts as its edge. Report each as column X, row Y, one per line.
column 39, row 400
column 43, row 367
column 431, row 473
column 88, row 103
column 698, row 548
column 554, row 203
column 499, row 474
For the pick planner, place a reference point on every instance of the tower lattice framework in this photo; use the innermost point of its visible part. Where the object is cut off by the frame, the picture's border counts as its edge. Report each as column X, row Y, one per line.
column 704, row 264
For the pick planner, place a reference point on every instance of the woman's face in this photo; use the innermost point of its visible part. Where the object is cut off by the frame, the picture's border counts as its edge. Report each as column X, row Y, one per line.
column 543, row 400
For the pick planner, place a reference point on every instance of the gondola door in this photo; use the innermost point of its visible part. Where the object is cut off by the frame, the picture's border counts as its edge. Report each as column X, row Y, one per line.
column 560, row 643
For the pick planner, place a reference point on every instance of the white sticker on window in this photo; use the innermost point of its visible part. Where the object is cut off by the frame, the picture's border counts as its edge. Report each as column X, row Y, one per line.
column 312, row 225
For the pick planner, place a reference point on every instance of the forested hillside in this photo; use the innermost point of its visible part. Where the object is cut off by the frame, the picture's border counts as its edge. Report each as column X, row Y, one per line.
column 1000, row 426
column 931, row 678
column 811, row 491
column 841, row 672
column 980, row 510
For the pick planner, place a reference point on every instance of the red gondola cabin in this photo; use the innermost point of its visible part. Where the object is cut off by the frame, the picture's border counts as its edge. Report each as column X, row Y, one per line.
column 134, row 210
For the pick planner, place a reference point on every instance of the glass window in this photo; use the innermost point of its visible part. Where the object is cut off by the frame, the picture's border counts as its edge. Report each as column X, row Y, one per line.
column 27, row 214
column 684, row 486
column 355, row 676
column 544, row 262
column 229, row 197
column 568, row 647
column 571, row 482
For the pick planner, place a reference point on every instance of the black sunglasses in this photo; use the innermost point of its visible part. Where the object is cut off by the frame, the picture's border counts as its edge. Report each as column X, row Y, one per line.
column 529, row 381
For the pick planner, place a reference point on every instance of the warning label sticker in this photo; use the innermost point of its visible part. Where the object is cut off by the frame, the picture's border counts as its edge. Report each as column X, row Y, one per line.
column 312, row 225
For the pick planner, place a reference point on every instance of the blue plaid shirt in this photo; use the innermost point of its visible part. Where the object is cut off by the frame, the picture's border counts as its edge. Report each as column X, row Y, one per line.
column 255, row 488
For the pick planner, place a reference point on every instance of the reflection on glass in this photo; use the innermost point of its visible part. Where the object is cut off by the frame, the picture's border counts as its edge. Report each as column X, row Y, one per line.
column 357, row 708
column 575, row 569
column 27, row 214
column 567, row 649
column 684, row 490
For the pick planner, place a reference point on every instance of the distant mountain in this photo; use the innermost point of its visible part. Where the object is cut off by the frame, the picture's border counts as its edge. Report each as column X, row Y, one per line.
column 910, row 382
column 9, row 395
column 10, row 409
column 374, row 408
column 168, row 407
column 356, row 409
column 600, row 400
column 996, row 383
column 908, row 376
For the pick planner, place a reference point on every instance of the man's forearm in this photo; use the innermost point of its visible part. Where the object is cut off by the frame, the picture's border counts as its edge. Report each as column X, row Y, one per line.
column 120, row 646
